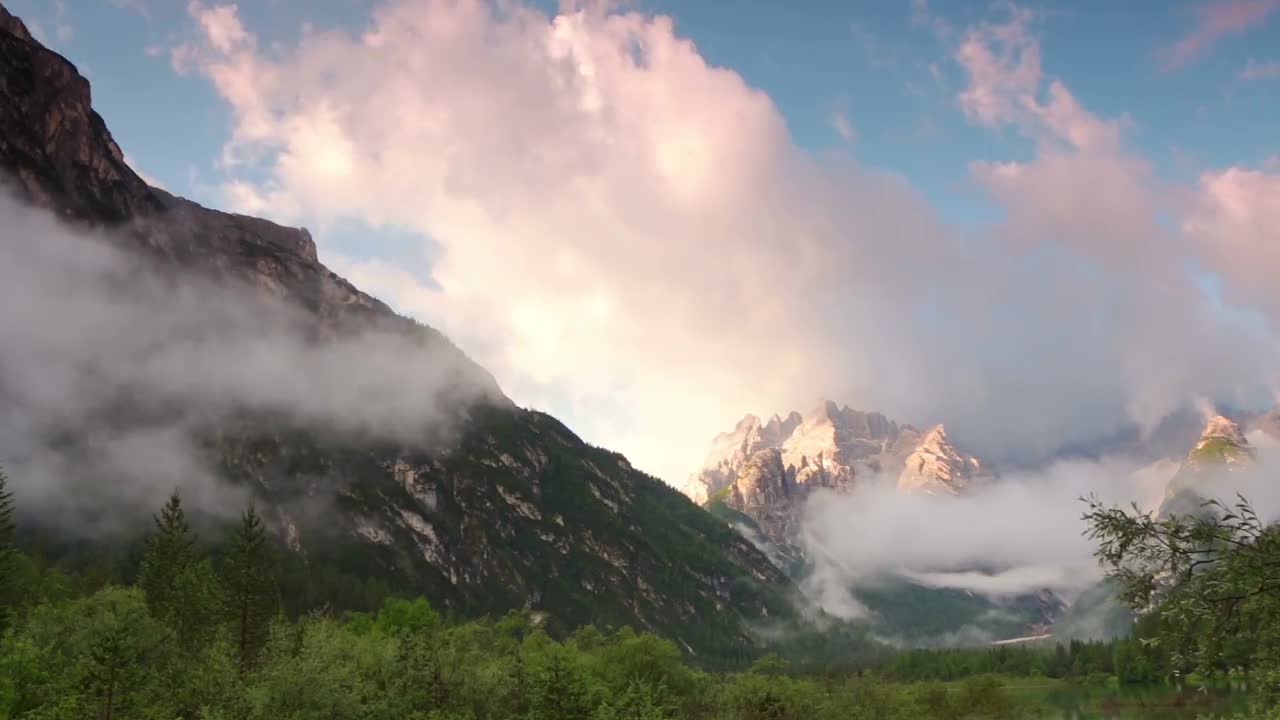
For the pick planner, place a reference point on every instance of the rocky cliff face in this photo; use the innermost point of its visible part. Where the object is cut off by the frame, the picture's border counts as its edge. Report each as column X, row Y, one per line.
column 59, row 154
column 515, row 511
column 767, row 470
column 936, row 467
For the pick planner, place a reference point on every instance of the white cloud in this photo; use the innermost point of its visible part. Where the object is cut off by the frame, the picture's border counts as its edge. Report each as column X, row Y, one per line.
column 843, row 127
column 629, row 238
column 1235, row 223
column 1020, row 535
column 90, row 336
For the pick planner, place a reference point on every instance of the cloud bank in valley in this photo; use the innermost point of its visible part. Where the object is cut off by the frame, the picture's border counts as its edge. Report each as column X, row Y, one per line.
column 110, row 370
column 628, row 237
column 1019, row 535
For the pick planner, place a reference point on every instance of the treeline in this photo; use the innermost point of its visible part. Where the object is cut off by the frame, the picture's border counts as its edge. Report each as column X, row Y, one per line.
column 1128, row 660
column 199, row 636
column 199, row 631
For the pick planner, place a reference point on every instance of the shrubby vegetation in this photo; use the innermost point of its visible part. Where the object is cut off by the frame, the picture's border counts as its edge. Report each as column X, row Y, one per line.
column 203, row 635
column 200, row 631
column 1208, row 586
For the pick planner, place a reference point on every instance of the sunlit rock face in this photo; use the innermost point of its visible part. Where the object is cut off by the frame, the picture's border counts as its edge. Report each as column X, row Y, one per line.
column 1222, row 449
column 936, row 467
column 768, row 469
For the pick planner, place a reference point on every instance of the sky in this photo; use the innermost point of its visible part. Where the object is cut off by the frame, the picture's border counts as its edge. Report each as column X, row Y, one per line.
column 1035, row 222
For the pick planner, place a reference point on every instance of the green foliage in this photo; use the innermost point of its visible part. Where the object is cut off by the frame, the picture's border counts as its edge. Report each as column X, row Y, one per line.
column 916, row 614
column 558, row 686
column 178, row 585
column 75, row 651
column 1208, row 583
column 8, row 554
column 720, row 496
column 101, row 656
column 249, row 596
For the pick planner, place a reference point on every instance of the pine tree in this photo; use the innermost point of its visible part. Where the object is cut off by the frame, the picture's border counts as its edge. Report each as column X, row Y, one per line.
column 8, row 554
column 170, row 550
column 174, row 580
column 250, row 598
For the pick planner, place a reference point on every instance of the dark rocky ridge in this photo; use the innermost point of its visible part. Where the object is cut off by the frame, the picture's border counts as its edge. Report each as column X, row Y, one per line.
column 516, row 512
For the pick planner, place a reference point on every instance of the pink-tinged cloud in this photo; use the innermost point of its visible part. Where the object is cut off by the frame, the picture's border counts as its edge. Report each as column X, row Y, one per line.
column 1235, row 221
column 627, row 235
column 1213, row 22
column 1006, row 83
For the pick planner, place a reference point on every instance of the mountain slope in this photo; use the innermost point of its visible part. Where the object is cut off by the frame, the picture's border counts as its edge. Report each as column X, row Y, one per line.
column 508, row 509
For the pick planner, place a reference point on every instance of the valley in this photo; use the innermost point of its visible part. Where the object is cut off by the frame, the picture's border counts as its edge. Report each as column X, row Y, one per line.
column 233, row 484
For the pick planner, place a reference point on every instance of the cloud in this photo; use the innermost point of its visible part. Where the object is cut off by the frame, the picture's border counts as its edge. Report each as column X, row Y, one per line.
column 1017, row 536
column 628, row 237
column 221, row 25
column 112, row 374
column 841, row 124
column 1214, row 21
column 1255, row 70
column 1002, row 61
column 1092, row 208
column 62, row 28
column 1020, row 535
column 1234, row 220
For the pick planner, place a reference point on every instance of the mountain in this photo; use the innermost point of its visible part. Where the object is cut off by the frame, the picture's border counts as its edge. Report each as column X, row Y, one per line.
column 509, row 510
column 937, row 467
column 760, row 476
column 768, row 469
column 1221, row 450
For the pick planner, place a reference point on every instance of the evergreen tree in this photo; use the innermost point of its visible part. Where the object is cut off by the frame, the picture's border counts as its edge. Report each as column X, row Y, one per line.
column 8, row 554
column 175, row 582
column 250, row 598
column 170, row 550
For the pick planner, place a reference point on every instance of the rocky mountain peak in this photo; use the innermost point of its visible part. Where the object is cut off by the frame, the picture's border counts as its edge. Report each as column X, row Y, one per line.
column 1222, row 443
column 936, row 437
column 13, row 25
column 1222, row 447
column 1223, row 427
column 937, row 467
column 780, row 428
column 768, row 470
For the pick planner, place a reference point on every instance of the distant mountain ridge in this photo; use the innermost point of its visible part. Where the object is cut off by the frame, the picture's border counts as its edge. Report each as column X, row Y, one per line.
column 761, row 475
column 768, row 469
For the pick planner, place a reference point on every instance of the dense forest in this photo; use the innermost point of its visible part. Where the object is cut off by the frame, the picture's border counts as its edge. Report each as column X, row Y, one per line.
column 200, row 633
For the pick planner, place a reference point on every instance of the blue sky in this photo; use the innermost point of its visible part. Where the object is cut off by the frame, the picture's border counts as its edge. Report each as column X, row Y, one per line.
column 976, row 209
